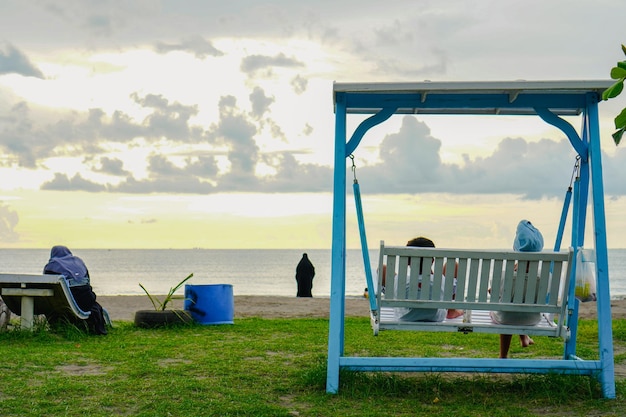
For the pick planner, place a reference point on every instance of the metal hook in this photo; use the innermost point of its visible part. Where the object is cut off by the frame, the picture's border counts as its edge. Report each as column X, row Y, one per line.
column 575, row 172
column 351, row 156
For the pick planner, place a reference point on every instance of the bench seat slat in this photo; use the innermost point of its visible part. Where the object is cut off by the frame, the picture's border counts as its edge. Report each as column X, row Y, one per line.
column 486, row 306
column 473, row 280
column 461, row 279
column 480, row 323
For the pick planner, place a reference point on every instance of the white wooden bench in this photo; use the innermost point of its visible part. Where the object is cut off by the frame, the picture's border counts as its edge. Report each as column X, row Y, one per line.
column 30, row 295
column 486, row 280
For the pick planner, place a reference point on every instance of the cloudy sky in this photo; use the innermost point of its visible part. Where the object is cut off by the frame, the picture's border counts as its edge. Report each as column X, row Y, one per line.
column 180, row 124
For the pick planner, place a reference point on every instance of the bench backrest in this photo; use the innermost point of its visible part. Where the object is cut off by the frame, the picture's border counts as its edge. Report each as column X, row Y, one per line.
column 62, row 300
column 485, row 279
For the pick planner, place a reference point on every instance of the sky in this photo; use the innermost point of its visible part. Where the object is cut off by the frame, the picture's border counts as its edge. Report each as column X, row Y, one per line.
column 205, row 124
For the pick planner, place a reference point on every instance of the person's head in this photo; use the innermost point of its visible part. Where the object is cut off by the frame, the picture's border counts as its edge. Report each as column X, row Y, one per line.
column 527, row 238
column 420, row 242
column 59, row 251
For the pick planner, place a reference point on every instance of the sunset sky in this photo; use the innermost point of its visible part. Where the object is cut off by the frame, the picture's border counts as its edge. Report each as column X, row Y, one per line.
column 182, row 124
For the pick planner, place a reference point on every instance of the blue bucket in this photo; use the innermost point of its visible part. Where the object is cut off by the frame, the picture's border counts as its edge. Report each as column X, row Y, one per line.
column 210, row 304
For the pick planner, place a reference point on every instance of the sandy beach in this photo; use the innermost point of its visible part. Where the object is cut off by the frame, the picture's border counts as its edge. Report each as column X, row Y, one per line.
column 124, row 307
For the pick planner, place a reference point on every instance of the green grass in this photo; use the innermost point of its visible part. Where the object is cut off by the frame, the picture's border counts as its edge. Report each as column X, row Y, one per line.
column 277, row 368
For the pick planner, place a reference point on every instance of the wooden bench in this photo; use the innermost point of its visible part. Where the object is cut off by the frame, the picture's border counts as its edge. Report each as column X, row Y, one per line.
column 30, row 295
column 486, row 281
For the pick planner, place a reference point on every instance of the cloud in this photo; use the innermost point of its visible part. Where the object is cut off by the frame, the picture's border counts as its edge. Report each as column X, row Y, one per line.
column 12, row 61
column 260, row 106
column 410, row 161
column 276, row 130
column 78, row 134
column 260, row 102
column 8, row 221
column 170, row 120
column 308, row 130
column 227, row 156
column 196, row 45
column 201, row 167
column 20, row 139
column 613, row 172
column 112, row 166
column 299, row 84
column 100, row 23
column 436, row 66
column 237, row 133
column 414, row 155
column 97, row 23
column 294, row 176
column 62, row 182
column 412, row 47
column 253, row 63
column 166, row 177
column 532, row 169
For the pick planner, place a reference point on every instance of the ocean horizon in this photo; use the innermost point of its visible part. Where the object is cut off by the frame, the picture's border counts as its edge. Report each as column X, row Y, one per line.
column 267, row 272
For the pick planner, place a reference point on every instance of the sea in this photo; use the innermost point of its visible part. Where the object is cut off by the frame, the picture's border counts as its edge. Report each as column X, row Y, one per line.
column 250, row 271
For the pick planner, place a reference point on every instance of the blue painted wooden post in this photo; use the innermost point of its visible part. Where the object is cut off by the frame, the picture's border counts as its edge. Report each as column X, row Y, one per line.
column 581, row 187
column 338, row 253
column 605, row 333
column 569, row 349
column 343, row 149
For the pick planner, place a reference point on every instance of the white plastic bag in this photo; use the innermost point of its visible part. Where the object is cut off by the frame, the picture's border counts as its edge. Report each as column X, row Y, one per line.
column 585, row 275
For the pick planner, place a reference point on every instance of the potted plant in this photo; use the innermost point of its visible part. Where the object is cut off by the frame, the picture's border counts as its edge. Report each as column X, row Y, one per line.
column 161, row 316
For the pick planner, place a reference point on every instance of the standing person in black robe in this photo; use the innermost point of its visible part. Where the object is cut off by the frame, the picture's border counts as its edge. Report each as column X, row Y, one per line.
column 62, row 262
column 305, row 271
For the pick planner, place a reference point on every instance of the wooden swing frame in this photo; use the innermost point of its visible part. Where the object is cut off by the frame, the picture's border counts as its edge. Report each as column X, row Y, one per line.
column 547, row 99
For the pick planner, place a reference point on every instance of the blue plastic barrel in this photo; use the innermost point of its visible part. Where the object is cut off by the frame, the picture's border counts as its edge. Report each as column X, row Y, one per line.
column 210, row 304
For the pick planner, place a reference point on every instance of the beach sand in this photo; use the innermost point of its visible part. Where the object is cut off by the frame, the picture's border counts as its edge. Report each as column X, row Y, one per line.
column 123, row 307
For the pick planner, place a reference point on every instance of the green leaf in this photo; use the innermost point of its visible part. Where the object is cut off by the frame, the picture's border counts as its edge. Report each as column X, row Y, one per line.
column 613, row 91
column 620, row 120
column 154, row 300
column 624, row 49
column 618, row 73
column 617, row 136
column 182, row 282
column 162, row 305
column 170, row 295
column 622, row 64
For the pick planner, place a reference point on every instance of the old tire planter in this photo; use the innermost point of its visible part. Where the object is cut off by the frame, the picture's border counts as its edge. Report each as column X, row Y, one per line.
column 160, row 318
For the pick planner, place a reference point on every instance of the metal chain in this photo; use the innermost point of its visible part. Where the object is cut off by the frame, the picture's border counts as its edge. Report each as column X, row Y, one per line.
column 353, row 168
column 575, row 172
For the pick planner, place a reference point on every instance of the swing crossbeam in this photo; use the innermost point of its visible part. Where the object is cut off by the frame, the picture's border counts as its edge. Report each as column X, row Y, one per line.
column 477, row 282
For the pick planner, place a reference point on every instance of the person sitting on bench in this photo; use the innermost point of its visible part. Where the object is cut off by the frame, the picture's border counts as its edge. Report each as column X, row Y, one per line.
column 527, row 239
column 423, row 314
column 62, row 262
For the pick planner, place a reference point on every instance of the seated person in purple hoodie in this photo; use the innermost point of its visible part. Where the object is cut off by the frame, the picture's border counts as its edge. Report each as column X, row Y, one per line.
column 62, row 262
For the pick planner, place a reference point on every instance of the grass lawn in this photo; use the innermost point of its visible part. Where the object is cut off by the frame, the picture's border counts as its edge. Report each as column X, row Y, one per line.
column 277, row 367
